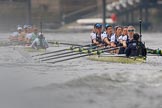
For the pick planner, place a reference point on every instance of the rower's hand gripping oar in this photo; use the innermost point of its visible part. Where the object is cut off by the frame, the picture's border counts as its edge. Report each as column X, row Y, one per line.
column 84, row 55
column 71, row 48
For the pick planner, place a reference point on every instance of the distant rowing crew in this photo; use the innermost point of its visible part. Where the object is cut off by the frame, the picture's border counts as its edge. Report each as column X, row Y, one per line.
column 123, row 37
column 29, row 36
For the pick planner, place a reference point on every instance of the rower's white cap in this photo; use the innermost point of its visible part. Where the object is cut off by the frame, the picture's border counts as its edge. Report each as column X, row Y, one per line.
column 40, row 33
column 19, row 28
column 29, row 26
column 25, row 26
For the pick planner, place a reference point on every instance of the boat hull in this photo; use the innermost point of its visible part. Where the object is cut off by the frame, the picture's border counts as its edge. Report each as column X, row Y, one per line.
column 28, row 48
column 117, row 59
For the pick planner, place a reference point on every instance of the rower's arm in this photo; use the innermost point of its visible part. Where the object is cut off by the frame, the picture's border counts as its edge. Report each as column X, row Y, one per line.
column 113, row 44
column 95, row 42
column 93, row 38
column 124, row 44
column 106, row 41
column 113, row 41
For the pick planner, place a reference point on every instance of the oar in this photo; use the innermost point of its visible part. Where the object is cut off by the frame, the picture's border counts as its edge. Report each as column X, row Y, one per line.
column 70, row 58
column 63, row 43
column 72, row 51
column 89, row 50
column 71, row 48
column 62, row 56
column 92, row 53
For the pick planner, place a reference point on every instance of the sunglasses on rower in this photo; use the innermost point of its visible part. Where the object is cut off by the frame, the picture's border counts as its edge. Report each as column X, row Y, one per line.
column 131, row 30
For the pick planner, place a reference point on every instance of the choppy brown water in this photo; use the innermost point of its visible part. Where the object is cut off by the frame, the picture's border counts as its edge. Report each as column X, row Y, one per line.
column 79, row 83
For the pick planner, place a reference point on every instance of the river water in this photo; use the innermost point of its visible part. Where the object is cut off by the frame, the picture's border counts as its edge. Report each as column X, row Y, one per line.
column 79, row 83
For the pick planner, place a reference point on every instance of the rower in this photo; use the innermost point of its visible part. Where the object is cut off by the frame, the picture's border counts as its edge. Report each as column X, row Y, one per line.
column 15, row 35
column 131, row 31
column 106, row 36
column 28, row 35
column 24, row 32
column 93, row 33
column 96, row 35
column 115, row 38
column 34, row 34
column 25, row 29
column 94, row 30
column 40, row 42
column 123, row 40
column 124, row 36
column 115, row 42
column 135, row 47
